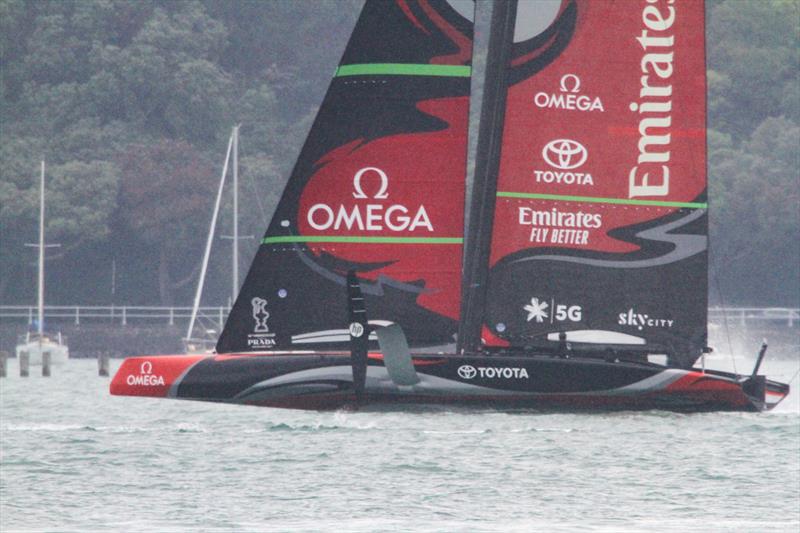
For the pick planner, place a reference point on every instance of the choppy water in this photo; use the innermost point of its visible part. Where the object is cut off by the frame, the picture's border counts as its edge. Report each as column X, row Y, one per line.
column 73, row 458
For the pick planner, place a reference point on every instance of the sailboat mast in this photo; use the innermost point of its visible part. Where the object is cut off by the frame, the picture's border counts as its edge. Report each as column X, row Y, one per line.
column 199, row 291
column 235, row 253
column 481, row 214
column 41, row 255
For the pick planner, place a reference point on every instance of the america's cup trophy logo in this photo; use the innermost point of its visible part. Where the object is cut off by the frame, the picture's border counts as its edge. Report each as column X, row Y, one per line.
column 260, row 315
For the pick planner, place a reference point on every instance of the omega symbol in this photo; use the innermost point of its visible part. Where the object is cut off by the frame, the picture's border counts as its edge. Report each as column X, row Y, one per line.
column 382, row 192
column 565, row 81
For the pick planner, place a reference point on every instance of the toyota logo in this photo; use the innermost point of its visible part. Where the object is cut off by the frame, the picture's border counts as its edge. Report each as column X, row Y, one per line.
column 564, row 154
column 467, row 371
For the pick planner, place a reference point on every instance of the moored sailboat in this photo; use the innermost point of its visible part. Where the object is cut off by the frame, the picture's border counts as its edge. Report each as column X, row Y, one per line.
column 35, row 344
column 205, row 340
column 585, row 246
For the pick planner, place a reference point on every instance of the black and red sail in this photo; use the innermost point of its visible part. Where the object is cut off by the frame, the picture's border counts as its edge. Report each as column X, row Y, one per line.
column 378, row 189
column 599, row 222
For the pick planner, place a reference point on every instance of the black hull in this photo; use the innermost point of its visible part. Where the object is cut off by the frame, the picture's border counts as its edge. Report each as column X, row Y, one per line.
column 536, row 382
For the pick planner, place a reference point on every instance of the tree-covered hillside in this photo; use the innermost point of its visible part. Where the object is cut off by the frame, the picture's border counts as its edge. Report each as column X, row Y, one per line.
column 754, row 150
column 131, row 104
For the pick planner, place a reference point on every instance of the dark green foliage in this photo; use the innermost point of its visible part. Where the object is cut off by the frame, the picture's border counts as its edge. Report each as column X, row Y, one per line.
column 131, row 103
column 754, row 141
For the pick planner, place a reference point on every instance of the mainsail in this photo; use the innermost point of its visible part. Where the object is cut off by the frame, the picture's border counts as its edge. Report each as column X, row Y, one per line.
column 378, row 189
column 597, row 184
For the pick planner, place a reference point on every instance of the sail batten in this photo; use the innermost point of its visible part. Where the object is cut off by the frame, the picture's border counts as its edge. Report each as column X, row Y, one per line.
column 404, row 69
column 362, row 239
column 596, row 199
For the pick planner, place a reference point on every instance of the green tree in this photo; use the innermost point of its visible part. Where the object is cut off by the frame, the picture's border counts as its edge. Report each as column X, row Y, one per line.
column 753, row 53
column 166, row 196
column 754, row 111
column 80, row 199
column 756, row 214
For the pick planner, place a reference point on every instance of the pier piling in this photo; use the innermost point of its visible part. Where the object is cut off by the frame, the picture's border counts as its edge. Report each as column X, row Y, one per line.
column 102, row 364
column 46, row 361
column 3, row 364
column 24, row 363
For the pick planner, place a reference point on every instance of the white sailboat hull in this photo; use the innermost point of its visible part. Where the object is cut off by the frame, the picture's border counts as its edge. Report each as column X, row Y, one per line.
column 59, row 353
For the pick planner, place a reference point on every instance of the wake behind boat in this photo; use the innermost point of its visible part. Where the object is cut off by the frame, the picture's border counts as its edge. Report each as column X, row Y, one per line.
column 582, row 282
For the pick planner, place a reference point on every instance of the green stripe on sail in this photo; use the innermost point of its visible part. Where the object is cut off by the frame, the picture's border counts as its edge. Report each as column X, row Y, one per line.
column 403, row 69
column 361, row 239
column 592, row 199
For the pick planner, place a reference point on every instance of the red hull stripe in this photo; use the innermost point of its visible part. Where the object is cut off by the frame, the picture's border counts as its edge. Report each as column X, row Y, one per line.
column 151, row 376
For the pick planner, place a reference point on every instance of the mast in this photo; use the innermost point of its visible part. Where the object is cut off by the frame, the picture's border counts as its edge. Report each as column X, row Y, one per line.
column 41, row 256
column 235, row 229
column 199, row 291
column 481, row 214
column 41, row 245
column 235, row 252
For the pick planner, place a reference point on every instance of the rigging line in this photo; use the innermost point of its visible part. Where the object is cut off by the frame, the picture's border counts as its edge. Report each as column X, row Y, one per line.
column 209, row 241
column 795, row 375
column 254, row 189
column 724, row 312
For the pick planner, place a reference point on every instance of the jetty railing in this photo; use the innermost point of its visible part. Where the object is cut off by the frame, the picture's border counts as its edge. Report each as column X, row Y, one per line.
column 742, row 315
column 216, row 315
column 114, row 314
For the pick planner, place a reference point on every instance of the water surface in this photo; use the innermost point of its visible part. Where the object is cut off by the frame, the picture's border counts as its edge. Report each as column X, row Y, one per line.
column 73, row 458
